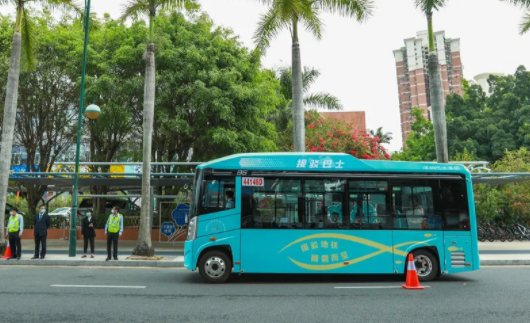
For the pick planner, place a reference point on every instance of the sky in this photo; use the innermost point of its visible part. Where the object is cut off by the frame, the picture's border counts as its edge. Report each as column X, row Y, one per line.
column 356, row 60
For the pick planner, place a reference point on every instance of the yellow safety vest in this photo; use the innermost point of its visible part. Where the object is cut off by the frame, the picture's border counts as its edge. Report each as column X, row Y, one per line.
column 14, row 224
column 114, row 223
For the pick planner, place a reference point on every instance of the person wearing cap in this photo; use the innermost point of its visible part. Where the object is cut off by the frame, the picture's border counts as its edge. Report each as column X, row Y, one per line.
column 15, row 227
column 113, row 231
column 89, row 233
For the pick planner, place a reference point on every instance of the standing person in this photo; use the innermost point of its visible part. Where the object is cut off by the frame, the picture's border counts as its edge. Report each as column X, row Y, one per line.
column 89, row 233
column 15, row 227
column 113, row 231
column 41, row 223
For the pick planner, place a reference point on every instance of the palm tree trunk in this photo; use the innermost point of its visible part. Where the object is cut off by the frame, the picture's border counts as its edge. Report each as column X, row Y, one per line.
column 298, row 100
column 144, row 247
column 8, row 126
column 437, row 99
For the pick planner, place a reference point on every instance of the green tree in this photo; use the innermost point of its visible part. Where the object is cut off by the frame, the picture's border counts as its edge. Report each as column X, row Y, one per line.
column 116, row 84
column 21, row 52
column 491, row 126
column 435, row 82
column 282, row 116
column 44, row 123
column 134, row 10
column 291, row 14
column 212, row 96
column 420, row 145
column 384, row 137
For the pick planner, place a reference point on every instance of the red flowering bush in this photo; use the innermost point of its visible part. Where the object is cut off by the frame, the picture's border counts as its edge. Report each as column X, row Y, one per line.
column 329, row 135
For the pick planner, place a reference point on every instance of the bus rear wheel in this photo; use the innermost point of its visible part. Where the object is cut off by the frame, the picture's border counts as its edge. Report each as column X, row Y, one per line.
column 215, row 267
column 426, row 264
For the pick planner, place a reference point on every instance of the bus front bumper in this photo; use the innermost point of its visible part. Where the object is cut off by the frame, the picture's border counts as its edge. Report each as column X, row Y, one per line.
column 189, row 262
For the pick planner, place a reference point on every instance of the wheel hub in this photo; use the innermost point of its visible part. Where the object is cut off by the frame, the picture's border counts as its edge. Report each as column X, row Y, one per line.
column 215, row 267
column 423, row 265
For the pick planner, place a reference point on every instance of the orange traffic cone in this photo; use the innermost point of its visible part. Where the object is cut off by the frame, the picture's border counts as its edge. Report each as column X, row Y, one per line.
column 412, row 276
column 8, row 252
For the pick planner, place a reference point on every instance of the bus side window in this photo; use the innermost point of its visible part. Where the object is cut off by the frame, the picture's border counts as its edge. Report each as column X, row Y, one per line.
column 368, row 204
column 271, row 206
column 414, row 206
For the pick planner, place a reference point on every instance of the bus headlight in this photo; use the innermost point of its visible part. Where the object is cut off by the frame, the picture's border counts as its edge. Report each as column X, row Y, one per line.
column 192, row 229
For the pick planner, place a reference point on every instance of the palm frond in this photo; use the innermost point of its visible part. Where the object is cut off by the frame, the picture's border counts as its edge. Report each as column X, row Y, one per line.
column 188, row 5
column 134, row 9
column 269, row 26
column 309, row 76
column 525, row 24
column 323, row 101
column 67, row 5
column 521, row 3
column 360, row 9
column 28, row 42
column 312, row 22
column 6, row 2
column 430, row 5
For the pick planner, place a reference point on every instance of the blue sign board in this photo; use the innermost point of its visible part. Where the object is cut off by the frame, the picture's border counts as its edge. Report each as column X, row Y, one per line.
column 168, row 229
column 180, row 214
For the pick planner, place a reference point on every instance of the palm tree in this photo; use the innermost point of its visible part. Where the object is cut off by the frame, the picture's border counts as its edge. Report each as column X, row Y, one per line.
column 384, row 137
column 291, row 14
column 21, row 54
column 134, row 10
column 435, row 82
column 525, row 24
column 282, row 115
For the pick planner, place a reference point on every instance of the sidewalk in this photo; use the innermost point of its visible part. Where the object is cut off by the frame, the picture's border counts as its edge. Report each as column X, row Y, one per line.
column 491, row 254
column 498, row 253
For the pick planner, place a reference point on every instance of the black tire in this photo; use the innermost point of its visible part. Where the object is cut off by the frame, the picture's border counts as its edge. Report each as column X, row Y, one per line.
column 215, row 267
column 426, row 256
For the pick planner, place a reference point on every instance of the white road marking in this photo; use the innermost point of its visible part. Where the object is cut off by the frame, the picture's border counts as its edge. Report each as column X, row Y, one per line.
column 370, row 287
column 97, row 286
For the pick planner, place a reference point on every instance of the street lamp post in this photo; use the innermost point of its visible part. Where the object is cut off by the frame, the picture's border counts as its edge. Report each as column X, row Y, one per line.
column 73, row 221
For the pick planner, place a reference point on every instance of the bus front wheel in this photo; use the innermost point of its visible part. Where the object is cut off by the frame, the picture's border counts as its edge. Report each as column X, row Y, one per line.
column 426, row 264
column 215, row 266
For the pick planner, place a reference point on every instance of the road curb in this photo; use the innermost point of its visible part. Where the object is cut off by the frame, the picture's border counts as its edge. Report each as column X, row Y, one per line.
column 81, row 263
column 511, row 262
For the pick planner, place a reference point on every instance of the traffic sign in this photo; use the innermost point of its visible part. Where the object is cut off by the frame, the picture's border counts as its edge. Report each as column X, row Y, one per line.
column 180, row 214
column 168, row 229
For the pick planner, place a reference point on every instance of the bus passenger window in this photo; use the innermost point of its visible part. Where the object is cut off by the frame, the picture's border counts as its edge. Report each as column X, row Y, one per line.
column 273, row 205
column 413, row 208
column 368, row 206
column 325, row 201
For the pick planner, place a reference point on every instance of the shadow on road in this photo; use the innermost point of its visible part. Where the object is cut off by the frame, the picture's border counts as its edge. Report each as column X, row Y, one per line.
column 320, row 279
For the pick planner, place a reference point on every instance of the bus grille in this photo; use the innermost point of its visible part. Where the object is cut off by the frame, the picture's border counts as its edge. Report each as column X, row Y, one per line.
column 458, row 259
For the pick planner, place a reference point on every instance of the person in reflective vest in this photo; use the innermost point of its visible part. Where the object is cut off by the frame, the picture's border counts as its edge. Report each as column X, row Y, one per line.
column 15, row 227
column 113, row 231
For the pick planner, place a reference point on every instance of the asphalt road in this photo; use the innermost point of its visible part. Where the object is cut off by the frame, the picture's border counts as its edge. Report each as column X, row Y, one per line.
column 494, row 294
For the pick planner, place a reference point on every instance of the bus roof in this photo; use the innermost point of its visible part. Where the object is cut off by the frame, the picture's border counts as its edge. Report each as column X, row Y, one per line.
column 325, row 162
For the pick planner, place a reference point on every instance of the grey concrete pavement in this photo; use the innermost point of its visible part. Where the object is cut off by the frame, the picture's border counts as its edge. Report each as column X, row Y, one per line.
column 491, row 294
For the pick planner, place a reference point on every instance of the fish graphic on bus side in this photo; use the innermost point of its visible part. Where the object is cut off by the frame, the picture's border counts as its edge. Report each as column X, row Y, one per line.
column 328, row 251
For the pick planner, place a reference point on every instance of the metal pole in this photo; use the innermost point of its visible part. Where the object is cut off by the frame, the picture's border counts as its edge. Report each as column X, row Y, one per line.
column 73, row 222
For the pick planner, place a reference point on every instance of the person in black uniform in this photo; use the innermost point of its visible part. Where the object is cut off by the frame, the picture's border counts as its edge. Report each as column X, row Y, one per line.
column 89, row 233
column 41, row 223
